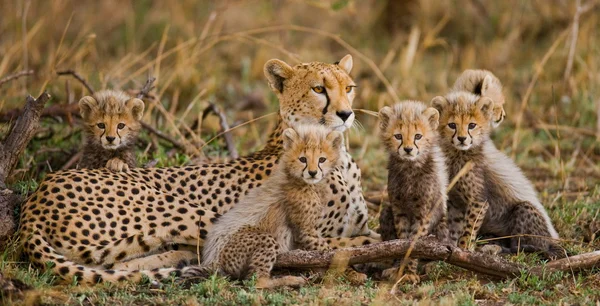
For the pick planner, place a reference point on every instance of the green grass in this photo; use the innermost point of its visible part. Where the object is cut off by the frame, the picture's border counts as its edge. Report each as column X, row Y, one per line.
column 114, row 44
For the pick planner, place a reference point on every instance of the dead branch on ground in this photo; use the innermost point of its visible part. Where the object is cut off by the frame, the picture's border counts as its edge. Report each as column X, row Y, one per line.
column 432, row 249
column 224, row 128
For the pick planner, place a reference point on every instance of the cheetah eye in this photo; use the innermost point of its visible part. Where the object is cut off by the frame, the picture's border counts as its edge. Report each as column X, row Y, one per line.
column 398, row 136
column 319, row 89
column 472, row 126
column 322, row 159
column 101, row 125
column 418, row 136
column 121, row 126
column 349, row 89
column 452, row 126
column 302, row 159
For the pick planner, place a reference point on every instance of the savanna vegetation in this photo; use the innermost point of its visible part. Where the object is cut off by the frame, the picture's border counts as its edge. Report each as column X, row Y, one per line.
column 545, row 52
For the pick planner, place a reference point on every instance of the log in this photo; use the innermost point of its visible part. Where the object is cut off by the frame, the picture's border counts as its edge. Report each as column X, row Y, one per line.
column 427, row 248
column 11, row 147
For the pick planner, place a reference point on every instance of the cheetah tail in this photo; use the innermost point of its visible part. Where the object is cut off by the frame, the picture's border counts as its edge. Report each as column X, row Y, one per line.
column 67, row 270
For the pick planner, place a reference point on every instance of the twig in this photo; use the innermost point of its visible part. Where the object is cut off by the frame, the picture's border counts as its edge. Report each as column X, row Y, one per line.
column 144, row 92
column 78, row 77
column 15, row 76
column 536, row 75
column 579, row 10
column 72, row 161
column 212, row 107
column 163, row 136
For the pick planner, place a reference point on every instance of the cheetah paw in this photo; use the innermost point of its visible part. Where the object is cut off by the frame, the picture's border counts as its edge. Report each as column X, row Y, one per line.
column 117, row 165
column 355, row 277
column 389, row 273
column 492, row 249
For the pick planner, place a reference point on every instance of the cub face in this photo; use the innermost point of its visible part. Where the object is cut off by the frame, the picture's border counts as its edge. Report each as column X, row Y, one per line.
column 313, row 93
column 408, row 129
column 311, row 152
column 111, row 118
column 465, row 119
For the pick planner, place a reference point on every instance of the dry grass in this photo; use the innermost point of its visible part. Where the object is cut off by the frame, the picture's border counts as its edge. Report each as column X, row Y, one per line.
column 214, row 51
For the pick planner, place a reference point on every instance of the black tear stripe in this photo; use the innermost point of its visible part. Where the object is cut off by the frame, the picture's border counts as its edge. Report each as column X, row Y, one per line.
column 469, row 132
column 326, row 97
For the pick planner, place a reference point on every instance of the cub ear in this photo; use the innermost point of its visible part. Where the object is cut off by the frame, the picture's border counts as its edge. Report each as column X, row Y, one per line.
column 439, row 103
column 499, row 115
column 336, row 138
column 486, row 84
column 276, row 72
column 433, row 116
column 486, row 105
column 346, row 63
column 289, row 138
column 385, row 113
column 136, row 106
column 87, row 105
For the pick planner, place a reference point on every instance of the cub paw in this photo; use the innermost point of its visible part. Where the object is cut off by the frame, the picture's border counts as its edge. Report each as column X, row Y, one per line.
column 356, row 278
column 117, row 165
column 270, row 283
column 466, row 244
column 389, row 274
column 408, row 278
column 492, row 249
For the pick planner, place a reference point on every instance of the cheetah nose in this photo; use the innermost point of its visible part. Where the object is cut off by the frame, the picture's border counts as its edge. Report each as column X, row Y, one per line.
column 462, row 139
column 110, row 139
column 344, row 115
column 312, row 173
column 408, row 150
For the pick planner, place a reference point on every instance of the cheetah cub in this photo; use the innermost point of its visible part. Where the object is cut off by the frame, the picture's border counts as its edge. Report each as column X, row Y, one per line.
column 111, row 126
column 279, row 216
column 493, row 196
column 485, row 84
column 417, row 177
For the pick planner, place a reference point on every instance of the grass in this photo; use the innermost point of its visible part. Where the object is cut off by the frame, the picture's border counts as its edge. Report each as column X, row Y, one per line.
column 214, row 51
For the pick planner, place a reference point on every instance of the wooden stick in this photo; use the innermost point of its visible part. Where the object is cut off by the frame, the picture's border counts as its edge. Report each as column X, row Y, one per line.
column 233, row 153
column 15, row 76
column 427, row 248
column 432, row 249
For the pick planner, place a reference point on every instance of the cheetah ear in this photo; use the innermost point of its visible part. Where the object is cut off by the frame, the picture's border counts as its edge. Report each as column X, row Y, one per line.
column 385, row 114
column 346, row 63
column 277, row 72
column 289, row 138
column 137, row 108
column 433, row 116
column 87, row 105
column 336, row 138
column 486, row 84
column 439, row 103
column 486, row 105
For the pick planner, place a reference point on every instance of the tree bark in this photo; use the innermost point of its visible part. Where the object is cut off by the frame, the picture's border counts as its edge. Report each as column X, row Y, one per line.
column 427, row 248
column 10, row 148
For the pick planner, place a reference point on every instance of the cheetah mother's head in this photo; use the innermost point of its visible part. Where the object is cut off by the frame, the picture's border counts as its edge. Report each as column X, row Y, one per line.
column 314, row 93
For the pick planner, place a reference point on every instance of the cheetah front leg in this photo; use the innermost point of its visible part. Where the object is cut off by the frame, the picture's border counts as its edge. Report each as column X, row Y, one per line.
column 474, row 219
column 169, row 259
column 405, row 229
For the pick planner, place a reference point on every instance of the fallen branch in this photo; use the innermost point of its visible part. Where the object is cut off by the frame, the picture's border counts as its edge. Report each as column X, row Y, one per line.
column 233, row 153
column 432, row 249
column 428, row 248
column 163, row 136
column 78, row 77
column 15, row 76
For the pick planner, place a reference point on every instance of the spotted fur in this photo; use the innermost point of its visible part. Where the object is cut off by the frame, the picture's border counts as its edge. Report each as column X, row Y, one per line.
column 87, row 221
column 494, row 196
column 417, row 177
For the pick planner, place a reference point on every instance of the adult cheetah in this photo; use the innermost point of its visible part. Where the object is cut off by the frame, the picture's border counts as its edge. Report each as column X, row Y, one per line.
column 97, row 225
